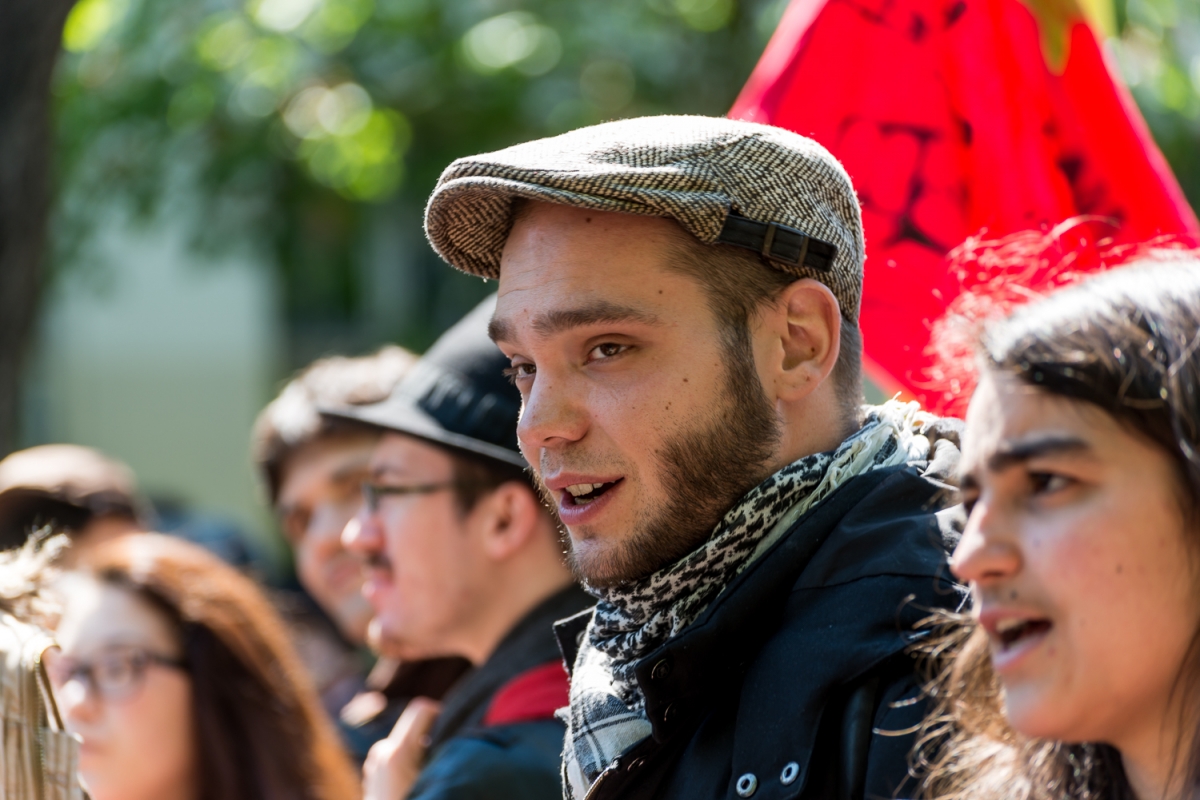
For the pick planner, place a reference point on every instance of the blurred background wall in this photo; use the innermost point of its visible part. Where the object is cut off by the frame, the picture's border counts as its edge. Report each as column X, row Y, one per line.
column 161, row 357
column 240, row 187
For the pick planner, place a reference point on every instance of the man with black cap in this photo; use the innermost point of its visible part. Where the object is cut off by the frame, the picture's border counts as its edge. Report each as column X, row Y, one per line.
column 462, row 558
column 679, row 300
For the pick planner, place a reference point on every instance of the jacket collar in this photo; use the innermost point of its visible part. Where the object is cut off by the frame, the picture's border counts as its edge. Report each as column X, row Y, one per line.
column 680, row 679
column 529, row 644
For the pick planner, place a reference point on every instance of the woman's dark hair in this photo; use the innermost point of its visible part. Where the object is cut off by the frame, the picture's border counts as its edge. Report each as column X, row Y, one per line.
column 1125, row 342
column 260, row 730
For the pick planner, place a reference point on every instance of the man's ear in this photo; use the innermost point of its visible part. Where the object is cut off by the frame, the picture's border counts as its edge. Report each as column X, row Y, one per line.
column 808, row 323
column 507, row 518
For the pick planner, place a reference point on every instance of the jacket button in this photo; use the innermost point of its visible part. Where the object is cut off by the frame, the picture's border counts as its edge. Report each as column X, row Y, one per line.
column 637, row 763
column 747, row 785
column 791, row 771
column 661, row 670
column 668, row 713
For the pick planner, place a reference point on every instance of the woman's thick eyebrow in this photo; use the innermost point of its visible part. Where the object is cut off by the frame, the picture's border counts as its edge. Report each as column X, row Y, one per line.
column 1012, row 453
column 567, row 318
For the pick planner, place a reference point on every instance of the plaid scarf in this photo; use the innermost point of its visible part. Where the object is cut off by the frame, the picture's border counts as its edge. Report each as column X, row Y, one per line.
column 607, row 714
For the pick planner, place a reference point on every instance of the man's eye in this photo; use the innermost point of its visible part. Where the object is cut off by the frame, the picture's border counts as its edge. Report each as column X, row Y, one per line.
column 1047, row 482
column 606, row 350
column 518, row 371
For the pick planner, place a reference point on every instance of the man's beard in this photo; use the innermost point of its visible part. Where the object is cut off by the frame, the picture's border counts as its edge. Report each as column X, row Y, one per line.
column 703, row 471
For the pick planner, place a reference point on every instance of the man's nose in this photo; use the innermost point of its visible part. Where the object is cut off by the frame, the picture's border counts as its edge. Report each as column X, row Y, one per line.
column 553, row 414
column 987, row 552
column 363, row 533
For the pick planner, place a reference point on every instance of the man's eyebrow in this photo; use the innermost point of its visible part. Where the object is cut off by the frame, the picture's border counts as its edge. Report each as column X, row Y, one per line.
column 499, row 330
column 350, row 470
column 565, row 319
column 379, row 471
column 1013, row 453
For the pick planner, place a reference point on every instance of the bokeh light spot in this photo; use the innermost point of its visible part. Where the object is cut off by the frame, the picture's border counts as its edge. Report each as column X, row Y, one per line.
column 89, row 22
column 226, row 40
column 345, row 110
column 335, row 24
column 282, row 15
column 515, row 39
column 705, row 15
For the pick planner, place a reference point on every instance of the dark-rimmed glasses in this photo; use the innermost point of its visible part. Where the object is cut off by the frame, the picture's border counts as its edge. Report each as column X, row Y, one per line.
column 115, row 673
column 372, row 492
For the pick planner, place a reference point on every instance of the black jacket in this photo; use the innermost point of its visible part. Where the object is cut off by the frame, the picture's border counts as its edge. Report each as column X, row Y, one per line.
column 787, row 685
column 476, row 753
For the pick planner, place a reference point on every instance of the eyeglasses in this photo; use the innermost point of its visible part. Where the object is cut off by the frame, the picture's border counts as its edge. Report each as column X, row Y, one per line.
column 115, row 674
column 372, row 492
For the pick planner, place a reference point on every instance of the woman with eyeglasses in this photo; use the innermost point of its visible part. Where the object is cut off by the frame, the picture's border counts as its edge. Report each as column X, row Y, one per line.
column 176, row 674
column 1077, row 675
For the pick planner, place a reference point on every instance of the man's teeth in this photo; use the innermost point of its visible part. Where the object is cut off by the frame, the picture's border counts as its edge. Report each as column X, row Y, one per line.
column 577, row 489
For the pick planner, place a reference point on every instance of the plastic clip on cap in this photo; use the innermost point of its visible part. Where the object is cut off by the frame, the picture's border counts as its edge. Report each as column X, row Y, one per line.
column 778, row 242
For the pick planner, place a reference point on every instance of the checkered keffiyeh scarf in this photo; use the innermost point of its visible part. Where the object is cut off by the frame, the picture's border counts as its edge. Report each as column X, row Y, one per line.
column 607, row 713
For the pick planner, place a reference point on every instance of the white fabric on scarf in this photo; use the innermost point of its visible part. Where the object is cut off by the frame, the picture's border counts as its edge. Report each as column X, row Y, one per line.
column 606, row 715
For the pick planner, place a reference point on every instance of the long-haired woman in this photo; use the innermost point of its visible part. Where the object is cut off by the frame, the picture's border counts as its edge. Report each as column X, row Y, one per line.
column 1076, row 675
column 176, row 674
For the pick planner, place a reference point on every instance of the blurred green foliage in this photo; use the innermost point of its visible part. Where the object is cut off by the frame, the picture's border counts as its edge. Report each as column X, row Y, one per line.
column 1157, row 50
column 296, row 126
column 299, row 124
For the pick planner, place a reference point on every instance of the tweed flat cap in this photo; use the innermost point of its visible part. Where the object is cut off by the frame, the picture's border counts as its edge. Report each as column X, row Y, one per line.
column 725, row 181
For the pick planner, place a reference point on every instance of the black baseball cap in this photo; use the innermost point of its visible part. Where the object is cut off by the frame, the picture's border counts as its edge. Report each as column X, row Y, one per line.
column 456, row 395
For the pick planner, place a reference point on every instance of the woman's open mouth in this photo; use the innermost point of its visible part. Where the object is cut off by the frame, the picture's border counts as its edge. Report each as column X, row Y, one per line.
column 1012, row 632
column 581, row 494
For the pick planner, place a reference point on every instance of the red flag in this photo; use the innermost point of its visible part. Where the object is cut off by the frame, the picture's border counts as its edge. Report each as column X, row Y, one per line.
column 955, row 117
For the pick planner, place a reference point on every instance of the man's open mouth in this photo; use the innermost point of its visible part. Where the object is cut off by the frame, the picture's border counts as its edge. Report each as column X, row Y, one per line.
column 1011, row 631
column 580, row 494
column 378, row 561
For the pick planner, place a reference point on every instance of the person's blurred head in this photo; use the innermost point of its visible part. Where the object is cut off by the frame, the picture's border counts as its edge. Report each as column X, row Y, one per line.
column 312, row 467
column 1081, row 474
column 446, row 565
column 177, row 675
column 457, row 544
column 70, row 489
column 679, row 300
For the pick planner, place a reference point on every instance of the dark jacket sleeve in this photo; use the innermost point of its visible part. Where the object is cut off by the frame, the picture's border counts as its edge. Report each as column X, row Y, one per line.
column 506, row 761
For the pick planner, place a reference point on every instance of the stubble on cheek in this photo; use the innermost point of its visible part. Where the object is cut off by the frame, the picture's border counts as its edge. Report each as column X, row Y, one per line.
column 586, row 548
column 702, row 471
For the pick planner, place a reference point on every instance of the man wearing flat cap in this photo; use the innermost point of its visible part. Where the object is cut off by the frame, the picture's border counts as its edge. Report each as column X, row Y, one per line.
column 462, row 559
column 678, row 300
